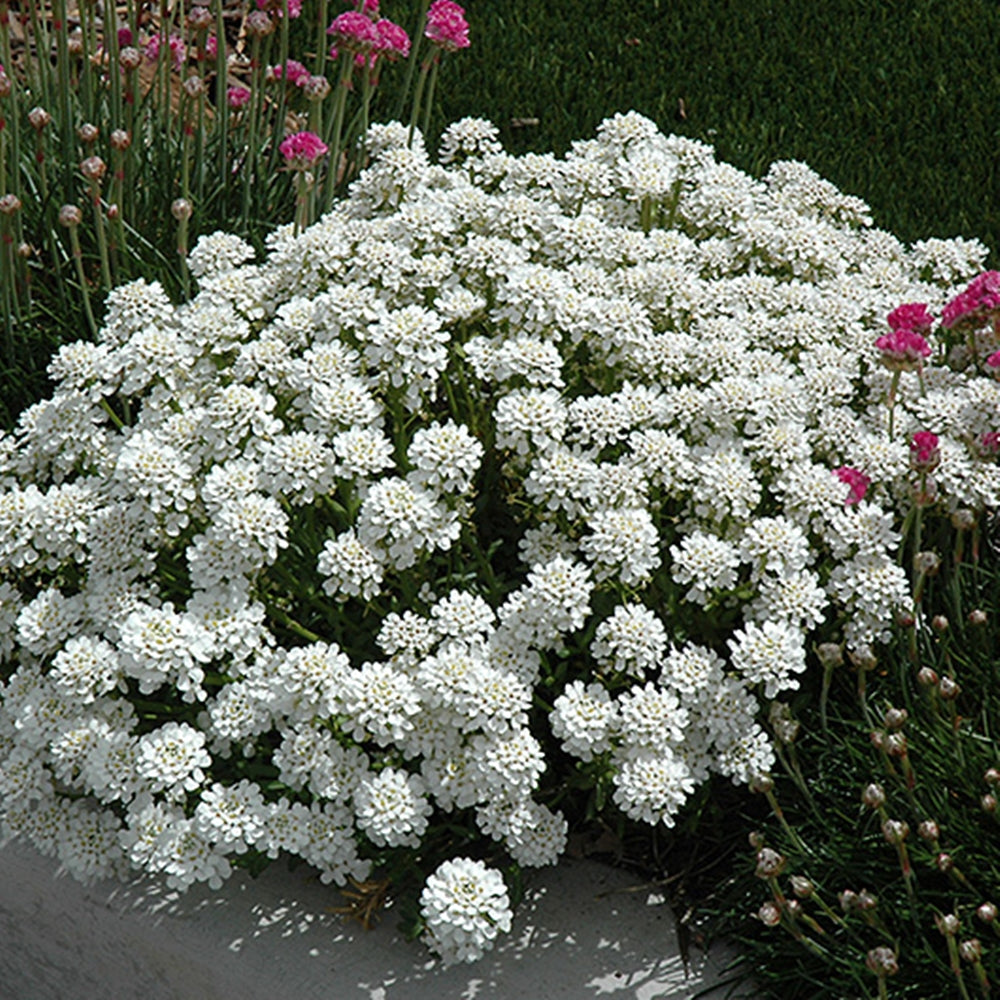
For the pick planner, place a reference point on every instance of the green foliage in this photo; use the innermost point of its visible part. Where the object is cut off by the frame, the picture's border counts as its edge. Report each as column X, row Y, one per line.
column 829, row 835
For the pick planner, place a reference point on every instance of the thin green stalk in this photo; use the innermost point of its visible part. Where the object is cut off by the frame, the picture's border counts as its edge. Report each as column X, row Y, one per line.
column 417, row 36
column 278, row 131
column 102, row 239
column 221, row 101
column 417, row 96
column 81, row 276
column 256, row 103
column 432, row 84
column 337, row 129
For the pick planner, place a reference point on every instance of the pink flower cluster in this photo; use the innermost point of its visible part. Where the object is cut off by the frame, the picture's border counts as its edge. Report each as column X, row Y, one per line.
column 178, row 51
column 903, row 349
column 238, row 96
column 856, row 481
column 979, row 302
column 925, row 455
column 302, row 150
column 911, row 316
column 446, row 25
column 368, row 36
column 294, row 72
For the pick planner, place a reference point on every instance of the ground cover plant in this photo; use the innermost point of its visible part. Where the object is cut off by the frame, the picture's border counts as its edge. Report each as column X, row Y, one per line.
column 515, row 487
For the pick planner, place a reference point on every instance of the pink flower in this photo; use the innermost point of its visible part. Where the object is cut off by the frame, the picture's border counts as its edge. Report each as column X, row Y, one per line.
column 370, row 7
column 974, row 305
column 394, row 42
column 301, row 150
column 446, row 25
column 292, row 71
column 124, row 37
column 353, row 32
column 857, row 482
column 903, row 349
column 989, row 443
column 912, row 316
column 238, row 96
column 178, row 52
column 925, row 454
column 993, row 363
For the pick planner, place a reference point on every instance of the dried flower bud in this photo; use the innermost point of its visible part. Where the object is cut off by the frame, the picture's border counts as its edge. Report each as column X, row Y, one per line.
column 830, row 654
column 38, row 118
column 873, row 796
column 793, row 907
column 895, row 745
column 877, row 738
column 769, row 863
column 940, row 623
column 866, row 901
column 927, row 677
column 802, row 886
column 895, row 831
column 88, row 133
column 25, row 250
column 929, row 831
column 785, row 727
column 181, row 209
column 987, row 912
column 963, row 519
column 120, row 140
column 992, row 776
column 895, row 718
column 769, row 915
column 989, row 803
column 93, row 168
column 761, row 784
column 258, row 24
column 948, row 923
column 756, row 839
column 74, row 44
column 978, row 617
column 194, row 85
column 848, row 900
column 948, row 689
column 905, row 619
column 70, row 215
column 9, row 204
column 945, row 862
column 130, row 58
column 114, row 211
column 882, row 961
column 927, row 563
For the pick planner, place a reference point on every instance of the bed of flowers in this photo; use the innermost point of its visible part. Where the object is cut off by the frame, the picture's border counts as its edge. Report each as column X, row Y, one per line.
column 513, row 488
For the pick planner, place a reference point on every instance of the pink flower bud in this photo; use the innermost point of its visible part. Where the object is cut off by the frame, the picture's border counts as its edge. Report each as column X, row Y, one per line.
column 848, row 900
column 258, row 24
column 971, row 950
column 929, row 831
column 755, row 839
column 194, row 85
column 940, row 623
column 895, row 718
column 963, row 519
column 927, row 677
column 987, row 912
column 130, row 58
column 38, row 118
column 802, row 886
column 978, row 617
column 895, row 831
column 9, row 204
column 769, row 863
column 882, row 961
column 895, row 745
column 944, row 862
column 867, row 901
column 927, row 563
column 992, row 776
column 830, row 654
column 88, row 133
column 93, row 168
column 873, row 796
column 70, row 215
column 988, row 804
column 769, row 914
column 181, row 209
column 948, row 688
column 948, row 924
column 238, row 96
column 120, row 140
column 761, row 784
column 113, row 212
column 925, row 455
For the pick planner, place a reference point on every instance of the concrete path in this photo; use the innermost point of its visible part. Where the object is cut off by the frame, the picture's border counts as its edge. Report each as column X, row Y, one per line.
column 584, row 930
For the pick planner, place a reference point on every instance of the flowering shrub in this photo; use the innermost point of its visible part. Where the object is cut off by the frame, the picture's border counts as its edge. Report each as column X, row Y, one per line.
column 509, row 479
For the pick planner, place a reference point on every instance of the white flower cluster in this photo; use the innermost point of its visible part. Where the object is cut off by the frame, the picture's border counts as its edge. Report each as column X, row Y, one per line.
column 292, row 566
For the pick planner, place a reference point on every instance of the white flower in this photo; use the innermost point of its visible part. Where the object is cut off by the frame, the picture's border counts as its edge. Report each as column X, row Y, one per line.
column 705, row 561
column 231, row 817
column 85, row 667
column 652, row 787
column 392, row 808
column 173, row 758
column 380, row 702
column 350, row 568
column 624, row 542
column 445, row 457
column 650, row 718
column 465, row 906
column 584, row 717
column 631, row 641
column 769, row 654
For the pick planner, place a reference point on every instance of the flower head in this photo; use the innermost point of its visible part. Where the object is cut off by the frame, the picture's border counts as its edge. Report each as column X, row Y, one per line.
column 979, row 301
column 903, row 349
column 911, row 316
column 302, row 150
column 353, row 31
column 924, row 451
column 856, row 480
column 446, row 26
